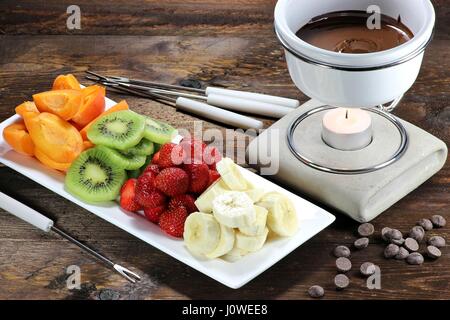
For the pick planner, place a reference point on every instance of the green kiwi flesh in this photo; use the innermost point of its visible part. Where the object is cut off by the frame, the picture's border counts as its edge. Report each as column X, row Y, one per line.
column 143, row 148
column 159, row 132
column 119, row 130
column 124, row 160
column 93, row 177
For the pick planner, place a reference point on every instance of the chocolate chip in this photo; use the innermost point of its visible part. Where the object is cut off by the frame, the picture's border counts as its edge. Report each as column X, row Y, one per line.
column 391, row 250
column 343, row 264
column 402, row 254
column 426, row 224
column 361, row 243
column 341, row 281
column 411, row 244
column 367, row 269
column 414, row 258
column 316, row 292
column 191, row 83
column 341, row 251
column 394, row 234
column 366, row 229
column 438, row 221
column 417, row 233
column 433, row 252
column 398, row 242
column 436, row 241
column 384, row 232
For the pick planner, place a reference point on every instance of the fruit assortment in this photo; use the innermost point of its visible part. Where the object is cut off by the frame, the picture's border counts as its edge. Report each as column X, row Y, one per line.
column 168, row 187
column 234, row 217
column 186, row 188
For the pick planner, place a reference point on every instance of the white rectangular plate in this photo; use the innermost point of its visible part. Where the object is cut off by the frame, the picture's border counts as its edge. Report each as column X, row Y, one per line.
column 232, row 274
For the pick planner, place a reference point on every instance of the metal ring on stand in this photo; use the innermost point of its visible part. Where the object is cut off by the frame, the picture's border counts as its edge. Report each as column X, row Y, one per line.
column 391, row 106
column 397, row 154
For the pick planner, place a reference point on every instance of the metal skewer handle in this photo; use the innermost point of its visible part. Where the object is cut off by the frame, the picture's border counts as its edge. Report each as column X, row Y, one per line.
column 286, row 102
column 40, row 221
column 218, row 114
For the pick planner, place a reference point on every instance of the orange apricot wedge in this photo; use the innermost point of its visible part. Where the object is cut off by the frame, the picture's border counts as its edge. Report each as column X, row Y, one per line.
column 93, row 105
column 17, row 136
column 27, row 106
column 47, row 161
column 122, row 105
column 63, row 103
column 67, row 81
column 87, row 145
column 53, row 136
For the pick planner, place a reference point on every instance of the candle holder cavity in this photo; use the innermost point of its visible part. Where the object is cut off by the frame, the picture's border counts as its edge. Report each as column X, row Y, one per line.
column 361, row 182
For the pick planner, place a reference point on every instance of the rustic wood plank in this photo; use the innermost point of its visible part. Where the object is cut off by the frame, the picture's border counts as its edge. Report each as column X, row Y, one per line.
column 153, row 17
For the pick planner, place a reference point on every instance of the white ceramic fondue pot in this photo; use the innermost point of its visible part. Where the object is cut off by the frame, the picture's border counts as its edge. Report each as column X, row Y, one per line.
column 354, row 80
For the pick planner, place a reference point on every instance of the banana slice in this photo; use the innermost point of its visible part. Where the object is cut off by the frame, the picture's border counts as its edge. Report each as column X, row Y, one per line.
column 282, row 217
column 231, row 175
column 251, row 243
column 201, row 233
column 226, row 243
column 255, row 194
column 259, row 226
column 204, row 202
column 234, row 209
column 234, row 255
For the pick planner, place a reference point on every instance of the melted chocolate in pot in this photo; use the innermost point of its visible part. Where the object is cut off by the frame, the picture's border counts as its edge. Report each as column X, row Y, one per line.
column 347, row 32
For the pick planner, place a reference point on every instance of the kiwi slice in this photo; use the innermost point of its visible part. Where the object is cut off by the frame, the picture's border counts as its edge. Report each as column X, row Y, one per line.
column 143, row 148
column 125, row 160
column 119, row 130
column 94, row 177
column 159, row 132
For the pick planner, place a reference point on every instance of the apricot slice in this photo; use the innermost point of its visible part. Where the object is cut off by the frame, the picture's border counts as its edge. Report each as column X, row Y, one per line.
column 67, row 81
column 53, row 136
column 27, row 106
column 122, row 105
column 93, row 104
column 47, row 161
column 63, row 103
column 18, row 138
column 87, row 145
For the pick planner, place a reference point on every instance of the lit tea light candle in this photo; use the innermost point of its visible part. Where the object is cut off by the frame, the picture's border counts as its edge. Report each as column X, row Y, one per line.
column 347, row 129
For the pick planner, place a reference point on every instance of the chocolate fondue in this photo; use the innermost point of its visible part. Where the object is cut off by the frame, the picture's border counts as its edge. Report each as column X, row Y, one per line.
column 348, row 32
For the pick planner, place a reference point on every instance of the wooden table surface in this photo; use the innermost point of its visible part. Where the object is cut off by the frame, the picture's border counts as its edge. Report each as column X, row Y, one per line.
column 228, row 43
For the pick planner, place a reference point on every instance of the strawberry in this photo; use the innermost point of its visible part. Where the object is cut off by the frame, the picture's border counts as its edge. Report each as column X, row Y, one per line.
column 151, row 199
column 146, row 182
column 153, row 214
column 152, row 168
column 193, row 150
column 128, row 196
column 172, row 221
column 155, row 158
column 199, row 177
column 211, row 156
column 170, row 155
column 172, row 181
column 213, row 176
column 183, row 200
column 146, row 193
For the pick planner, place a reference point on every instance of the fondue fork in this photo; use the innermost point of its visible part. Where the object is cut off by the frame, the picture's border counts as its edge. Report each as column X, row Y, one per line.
column 274, row 100
column 188, row 105
column 40, row 221
column 239, row 101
